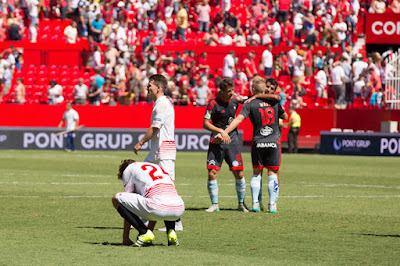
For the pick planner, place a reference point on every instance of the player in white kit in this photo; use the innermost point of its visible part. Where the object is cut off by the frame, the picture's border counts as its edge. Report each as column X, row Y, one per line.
column 161, row 133
column 149, row 193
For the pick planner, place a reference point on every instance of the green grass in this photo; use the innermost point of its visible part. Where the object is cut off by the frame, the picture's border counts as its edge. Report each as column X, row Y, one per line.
column 56, row 209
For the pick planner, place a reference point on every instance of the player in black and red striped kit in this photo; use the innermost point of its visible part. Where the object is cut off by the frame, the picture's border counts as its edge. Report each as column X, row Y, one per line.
column 220, row 112
column 266, row 149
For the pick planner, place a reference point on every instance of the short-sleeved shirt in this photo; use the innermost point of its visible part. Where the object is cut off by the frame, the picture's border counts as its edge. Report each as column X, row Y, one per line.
column 284, row 5
column 229, row 65
column 163, row 144
column 81, row 91
column 93, row 89
column 70, row 118
column 99, row 81
column 251, row 65
column 222, row 114
column 150, row 181
column 337, row 74
column 264, row 116
column 202, row 93
column 268, row 59
column 182, row 18
column 98, row 25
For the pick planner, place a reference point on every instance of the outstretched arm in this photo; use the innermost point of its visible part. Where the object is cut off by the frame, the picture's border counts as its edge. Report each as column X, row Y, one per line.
column 61, row 123
column 235, row 123
column 269, row 97
column 125, row 236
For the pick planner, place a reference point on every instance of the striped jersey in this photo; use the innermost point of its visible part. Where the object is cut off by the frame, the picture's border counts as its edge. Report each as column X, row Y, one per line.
column 163, row 144
column 151, row 181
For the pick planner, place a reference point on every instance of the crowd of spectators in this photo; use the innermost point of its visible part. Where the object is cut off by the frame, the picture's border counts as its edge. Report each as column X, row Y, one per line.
column 123, row 37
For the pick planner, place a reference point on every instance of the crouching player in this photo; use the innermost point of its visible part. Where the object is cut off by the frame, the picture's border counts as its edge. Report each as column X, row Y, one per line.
column 149, row 193
column 264, row 114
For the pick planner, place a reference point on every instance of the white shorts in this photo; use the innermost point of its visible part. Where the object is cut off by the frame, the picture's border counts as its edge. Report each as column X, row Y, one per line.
column 168, row 165
column 152, row 209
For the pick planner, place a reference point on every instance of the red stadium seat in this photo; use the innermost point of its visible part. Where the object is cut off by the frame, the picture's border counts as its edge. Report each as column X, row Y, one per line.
column 29, row 81
column 53, row 74
column 64, row 74
column 41, row 81
column 64, row 82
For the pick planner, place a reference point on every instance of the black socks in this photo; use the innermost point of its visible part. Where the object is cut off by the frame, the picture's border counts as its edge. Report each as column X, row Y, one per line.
column 133, row 219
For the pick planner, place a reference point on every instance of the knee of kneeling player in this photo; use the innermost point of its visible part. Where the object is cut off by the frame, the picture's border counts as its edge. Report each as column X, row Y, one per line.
column 114, row 201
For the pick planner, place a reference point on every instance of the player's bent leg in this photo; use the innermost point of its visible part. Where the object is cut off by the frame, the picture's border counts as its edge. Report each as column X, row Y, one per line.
column 114, row 202
column 212, row 187
column 171, row 234
column 273, row 190
column 144, row 240
column 129, row 206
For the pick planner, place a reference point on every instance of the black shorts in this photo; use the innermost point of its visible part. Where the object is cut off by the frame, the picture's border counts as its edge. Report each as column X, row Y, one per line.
column 266, row 155
column 217, row 153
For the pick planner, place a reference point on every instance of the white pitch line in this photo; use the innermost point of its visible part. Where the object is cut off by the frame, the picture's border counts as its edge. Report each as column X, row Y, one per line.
column 76, row 183
column 346, row 185
column 206, row 196
column 63, row 175
column 56, row 183
column 80, row 175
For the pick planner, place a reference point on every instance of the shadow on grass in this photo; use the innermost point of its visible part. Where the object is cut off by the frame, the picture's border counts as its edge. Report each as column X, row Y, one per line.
column 380, row 235
column 116, row 244
column 100, row 227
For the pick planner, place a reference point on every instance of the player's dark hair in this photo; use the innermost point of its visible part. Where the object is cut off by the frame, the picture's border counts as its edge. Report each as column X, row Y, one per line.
column 273, row 82
column 124, row 164
column 226, row 83
column 159, row 80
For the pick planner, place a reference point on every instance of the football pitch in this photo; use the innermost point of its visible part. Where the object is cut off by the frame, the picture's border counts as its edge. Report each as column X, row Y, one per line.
column 56, row 209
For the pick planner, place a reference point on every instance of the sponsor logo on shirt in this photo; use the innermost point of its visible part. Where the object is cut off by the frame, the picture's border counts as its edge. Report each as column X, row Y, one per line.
column 266, row 131
column 266, row 145
column 208, row 115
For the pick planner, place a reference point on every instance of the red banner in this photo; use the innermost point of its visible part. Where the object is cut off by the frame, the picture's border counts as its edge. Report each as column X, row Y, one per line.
column 382, row 28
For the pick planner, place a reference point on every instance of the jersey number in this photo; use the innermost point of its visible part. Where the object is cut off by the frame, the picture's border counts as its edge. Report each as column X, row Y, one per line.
column 267, row 115
column 152, row 171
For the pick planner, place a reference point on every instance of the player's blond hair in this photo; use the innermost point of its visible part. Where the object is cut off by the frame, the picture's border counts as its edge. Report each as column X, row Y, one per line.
column 258, row 85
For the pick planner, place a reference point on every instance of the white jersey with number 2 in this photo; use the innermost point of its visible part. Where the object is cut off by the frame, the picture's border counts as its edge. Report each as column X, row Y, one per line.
column 150, row 192
column 149, row 180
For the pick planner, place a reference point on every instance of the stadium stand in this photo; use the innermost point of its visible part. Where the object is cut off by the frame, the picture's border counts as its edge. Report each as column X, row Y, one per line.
column 137, row 39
